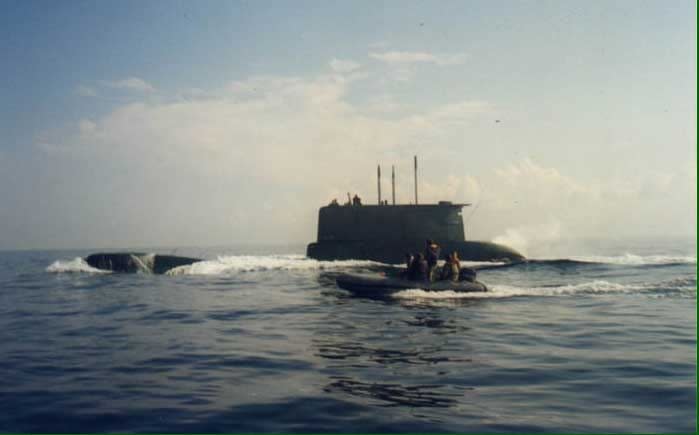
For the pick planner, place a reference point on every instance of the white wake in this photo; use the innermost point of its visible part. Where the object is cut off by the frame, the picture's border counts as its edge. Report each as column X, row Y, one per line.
column 597, row 287
column 75, row 265
column 638, row 260
column 258, row 263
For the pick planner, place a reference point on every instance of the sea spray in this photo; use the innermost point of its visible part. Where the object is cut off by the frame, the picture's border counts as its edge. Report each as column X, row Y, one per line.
column 255, row 263
column 680, row 287
column 522, row 237
column 77, row 264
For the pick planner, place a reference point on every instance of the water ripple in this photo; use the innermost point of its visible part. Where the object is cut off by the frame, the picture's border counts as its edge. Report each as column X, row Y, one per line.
column 272, row 345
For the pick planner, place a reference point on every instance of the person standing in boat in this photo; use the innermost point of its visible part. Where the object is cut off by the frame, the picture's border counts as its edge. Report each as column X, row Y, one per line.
column 450, row 270
column 419, row 270
column 432, row 254
column 455, row 258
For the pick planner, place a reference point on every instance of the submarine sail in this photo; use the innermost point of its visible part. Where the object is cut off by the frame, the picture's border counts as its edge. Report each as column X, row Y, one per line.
column 386, row 232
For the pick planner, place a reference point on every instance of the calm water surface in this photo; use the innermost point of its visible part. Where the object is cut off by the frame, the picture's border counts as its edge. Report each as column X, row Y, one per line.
column 261, row 340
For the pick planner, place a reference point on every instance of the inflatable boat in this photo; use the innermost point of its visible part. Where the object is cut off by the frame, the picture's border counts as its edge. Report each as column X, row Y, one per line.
column 385, row 285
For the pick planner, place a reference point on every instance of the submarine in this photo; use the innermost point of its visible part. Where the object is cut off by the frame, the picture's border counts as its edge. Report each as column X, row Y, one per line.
column 385, row 233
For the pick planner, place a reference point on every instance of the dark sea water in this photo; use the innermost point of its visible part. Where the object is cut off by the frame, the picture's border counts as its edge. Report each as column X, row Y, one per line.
column 600, row 338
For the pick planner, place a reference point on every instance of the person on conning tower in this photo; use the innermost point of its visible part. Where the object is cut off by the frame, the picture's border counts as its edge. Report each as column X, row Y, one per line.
column 356, row 200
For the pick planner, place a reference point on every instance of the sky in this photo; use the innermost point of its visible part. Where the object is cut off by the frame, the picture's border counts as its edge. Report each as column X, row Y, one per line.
column 212, row 123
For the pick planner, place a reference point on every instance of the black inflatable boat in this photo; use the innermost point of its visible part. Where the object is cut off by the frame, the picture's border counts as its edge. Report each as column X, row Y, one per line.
column 383, row 285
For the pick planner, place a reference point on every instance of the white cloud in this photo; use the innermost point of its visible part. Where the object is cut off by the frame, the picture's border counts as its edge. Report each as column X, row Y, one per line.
column 132, row 84
column 194, row 94
column 401, row 74
column 282, row 90
column 537, row 209
column 295, row 142
column 383, row 104
column 535, row 206
column 86, row 126
column 252, row 162
column 411, row 57
column 456, row 112
column 344, row 66
column 379, row 44
column 86, row 91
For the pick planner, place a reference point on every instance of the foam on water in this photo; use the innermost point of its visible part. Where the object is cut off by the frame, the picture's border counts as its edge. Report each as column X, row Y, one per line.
column 77, row 264
column 638, row 260
column 476, row 264
column 256, row 263
column 683, row 286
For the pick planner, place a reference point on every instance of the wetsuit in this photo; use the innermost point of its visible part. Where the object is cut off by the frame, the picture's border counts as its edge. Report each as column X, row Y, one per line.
column 432, row 254
column 422, row 270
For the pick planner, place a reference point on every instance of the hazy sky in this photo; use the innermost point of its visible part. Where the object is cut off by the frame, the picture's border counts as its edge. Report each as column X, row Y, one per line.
column 171, row 123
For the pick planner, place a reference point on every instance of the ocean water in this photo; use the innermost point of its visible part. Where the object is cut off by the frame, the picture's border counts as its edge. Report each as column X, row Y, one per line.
column 596, row 337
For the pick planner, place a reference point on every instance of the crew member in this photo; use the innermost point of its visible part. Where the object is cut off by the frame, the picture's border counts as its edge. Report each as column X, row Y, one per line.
column 408, row 264
column 419, row 271
column 455, row 258
column 432, row 254
column 450, row 270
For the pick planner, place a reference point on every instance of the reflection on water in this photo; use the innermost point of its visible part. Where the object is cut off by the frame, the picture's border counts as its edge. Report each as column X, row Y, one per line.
column 394, row 394
column 397, row 360
column 384, row 357
column 437, row 325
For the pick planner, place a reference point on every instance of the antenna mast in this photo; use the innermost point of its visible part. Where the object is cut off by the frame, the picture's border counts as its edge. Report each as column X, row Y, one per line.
column 378, row 181
column 415, row 159
column 393, row 184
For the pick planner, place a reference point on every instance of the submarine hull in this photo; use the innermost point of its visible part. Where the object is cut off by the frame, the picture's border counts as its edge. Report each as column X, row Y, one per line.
column 393, row 252
column 133, row 262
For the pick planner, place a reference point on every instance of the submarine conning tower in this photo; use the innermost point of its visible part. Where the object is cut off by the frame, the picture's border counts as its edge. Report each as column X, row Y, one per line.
column 385, row 233
column 442, row 221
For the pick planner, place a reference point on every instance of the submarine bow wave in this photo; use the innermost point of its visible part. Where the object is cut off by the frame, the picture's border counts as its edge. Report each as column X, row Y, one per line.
column 257, row 263
column 78, row 264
